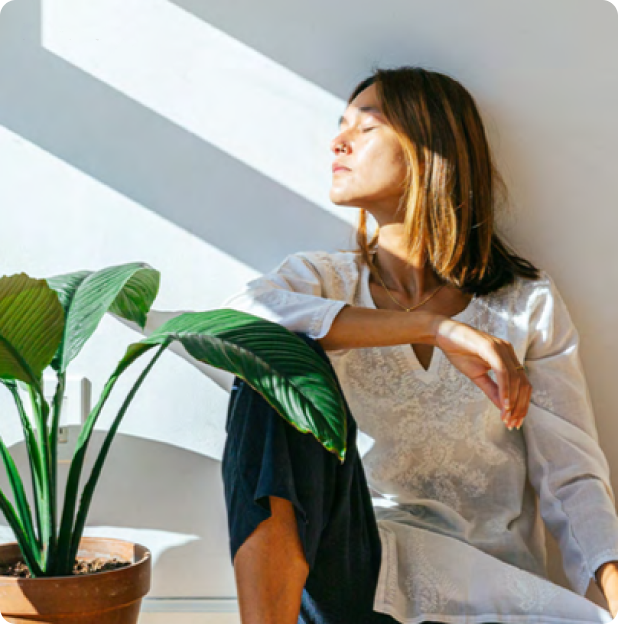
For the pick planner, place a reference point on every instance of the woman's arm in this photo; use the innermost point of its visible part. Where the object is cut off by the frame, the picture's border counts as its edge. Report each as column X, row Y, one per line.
column 566, row 465
column 355, row 327
column 293, row 295
column 473, row 352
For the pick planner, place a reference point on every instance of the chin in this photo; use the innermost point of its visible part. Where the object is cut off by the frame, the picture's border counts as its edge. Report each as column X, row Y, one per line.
column 340, row 201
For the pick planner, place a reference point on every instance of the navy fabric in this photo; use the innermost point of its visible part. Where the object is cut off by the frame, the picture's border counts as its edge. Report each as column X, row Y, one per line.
column 266, row 456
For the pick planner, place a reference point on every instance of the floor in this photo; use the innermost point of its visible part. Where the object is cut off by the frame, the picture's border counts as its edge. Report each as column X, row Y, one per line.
column 189, row 618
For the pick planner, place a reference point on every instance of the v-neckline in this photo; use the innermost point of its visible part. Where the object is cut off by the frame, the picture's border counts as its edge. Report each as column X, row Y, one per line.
column 431, row 372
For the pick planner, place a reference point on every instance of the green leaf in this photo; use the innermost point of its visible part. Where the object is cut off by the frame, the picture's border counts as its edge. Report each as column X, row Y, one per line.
column 135, row 300
column 127, row 290
column 290, row 375
column 65, row 286
column 277, row 363
column 31, row 324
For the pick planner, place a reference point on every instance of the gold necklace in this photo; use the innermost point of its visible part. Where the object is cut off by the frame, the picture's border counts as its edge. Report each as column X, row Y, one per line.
column 418, row 305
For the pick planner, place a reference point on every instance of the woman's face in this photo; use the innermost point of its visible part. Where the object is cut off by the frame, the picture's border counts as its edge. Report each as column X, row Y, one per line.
column 368, row 146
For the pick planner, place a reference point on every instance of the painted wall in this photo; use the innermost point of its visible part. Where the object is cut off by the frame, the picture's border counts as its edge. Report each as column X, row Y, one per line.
column 194, row 136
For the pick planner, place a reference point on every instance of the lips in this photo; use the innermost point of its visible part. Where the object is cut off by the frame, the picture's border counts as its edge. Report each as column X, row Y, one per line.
column 337, row 167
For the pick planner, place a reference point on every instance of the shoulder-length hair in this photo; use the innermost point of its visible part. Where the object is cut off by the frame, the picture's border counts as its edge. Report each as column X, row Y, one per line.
column 452, row 184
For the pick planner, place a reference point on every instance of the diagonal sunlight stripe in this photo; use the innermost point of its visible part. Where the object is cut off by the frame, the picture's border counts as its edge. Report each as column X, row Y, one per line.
column 211, row 84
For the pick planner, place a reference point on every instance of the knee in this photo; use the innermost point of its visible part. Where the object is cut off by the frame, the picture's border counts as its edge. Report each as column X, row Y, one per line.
column 277, row 539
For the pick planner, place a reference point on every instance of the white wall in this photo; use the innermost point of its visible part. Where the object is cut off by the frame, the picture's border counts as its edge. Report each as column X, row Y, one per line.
column 193, row 135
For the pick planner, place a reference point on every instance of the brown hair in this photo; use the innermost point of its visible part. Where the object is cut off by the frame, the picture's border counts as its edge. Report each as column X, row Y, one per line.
column 449, row 208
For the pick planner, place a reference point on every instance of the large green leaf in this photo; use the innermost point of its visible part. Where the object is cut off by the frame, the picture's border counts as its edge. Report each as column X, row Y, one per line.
column 31, row 324
column 65, row 286
column 288, row 373
column 127, row 290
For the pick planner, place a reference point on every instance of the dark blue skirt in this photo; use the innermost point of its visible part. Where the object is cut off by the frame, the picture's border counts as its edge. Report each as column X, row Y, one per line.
column 266, row 456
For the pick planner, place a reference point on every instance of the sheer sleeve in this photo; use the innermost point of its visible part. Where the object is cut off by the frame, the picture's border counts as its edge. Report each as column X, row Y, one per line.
column 566, row 465
column 292, row 295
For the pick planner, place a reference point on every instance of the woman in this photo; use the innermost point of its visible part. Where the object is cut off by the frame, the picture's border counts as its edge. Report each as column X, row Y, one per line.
column 433, row 517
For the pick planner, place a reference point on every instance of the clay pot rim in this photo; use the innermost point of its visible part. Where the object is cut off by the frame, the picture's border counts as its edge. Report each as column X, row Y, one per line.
column 147, row 556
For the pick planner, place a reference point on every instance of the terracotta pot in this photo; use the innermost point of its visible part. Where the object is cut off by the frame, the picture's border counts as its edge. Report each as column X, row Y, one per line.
column 111, row 597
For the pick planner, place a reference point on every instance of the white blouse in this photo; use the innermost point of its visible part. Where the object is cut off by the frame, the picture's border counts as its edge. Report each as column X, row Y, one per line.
column 454, row 491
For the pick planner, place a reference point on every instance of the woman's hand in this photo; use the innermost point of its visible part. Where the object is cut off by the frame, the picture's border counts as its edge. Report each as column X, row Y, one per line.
column 475, row 353
column 606, row 578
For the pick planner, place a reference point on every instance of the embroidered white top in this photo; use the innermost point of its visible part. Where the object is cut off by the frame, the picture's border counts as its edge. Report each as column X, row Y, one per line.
column 454, row 491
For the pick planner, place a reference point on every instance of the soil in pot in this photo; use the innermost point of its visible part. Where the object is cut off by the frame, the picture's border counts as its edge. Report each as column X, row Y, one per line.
column 20, row 569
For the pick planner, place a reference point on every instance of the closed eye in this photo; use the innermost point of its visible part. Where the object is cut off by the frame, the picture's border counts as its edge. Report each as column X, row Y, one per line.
column 367, row 129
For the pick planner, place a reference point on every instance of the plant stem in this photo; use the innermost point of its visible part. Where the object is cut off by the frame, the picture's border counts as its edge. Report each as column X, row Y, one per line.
column 41, row 409
column 53, row 445
column 63, row 565
column 19, row 495
column 65, row 561
column 90, row 486
column 27, row 551
column 34, row 458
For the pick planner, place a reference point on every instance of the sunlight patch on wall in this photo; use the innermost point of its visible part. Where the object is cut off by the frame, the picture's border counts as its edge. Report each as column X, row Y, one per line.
column 211, row 84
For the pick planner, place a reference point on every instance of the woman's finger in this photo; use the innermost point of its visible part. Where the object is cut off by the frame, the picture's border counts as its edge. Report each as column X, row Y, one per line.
column 512, row 410
column 490, row 388
column 527, row 393
column 520, row 406
column 476, row 353
column 514, row 415
column 500, row 362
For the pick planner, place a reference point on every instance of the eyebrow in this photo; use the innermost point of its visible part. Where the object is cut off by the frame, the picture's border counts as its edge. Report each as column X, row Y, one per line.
column 363, row 109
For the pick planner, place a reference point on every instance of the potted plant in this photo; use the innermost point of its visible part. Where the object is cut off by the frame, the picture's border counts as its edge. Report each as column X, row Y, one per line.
column 45, row 323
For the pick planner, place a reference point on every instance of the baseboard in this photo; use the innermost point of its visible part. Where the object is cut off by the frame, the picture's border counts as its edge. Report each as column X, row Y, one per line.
column 189, row 611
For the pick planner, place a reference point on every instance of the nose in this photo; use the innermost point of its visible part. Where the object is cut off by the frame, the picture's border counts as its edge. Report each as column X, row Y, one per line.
column 338, row 144
column 341, row 139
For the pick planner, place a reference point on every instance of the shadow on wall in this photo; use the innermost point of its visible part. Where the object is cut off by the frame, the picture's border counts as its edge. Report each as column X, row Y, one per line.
column 142, row 155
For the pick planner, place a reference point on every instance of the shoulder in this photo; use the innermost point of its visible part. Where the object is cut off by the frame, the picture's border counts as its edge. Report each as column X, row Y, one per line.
column 542, row 293
column 548, row 306
column 329, row 262
column 532, row 307
column 338, row 271
column 521, row 296
column 327, row 258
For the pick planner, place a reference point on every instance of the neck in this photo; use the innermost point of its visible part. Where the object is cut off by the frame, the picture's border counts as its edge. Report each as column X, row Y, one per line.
column 411, row 279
